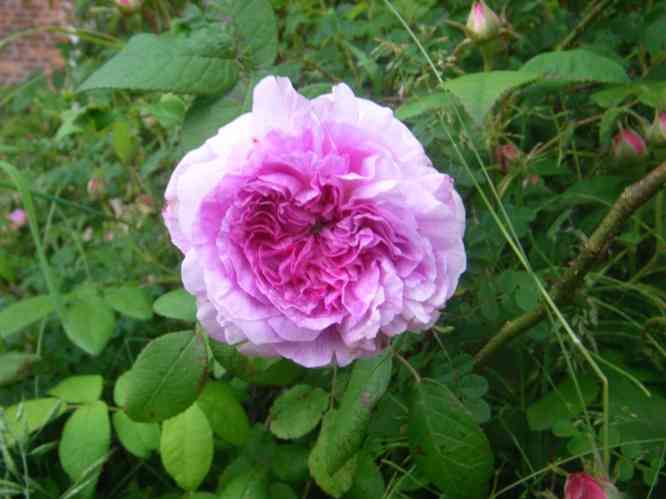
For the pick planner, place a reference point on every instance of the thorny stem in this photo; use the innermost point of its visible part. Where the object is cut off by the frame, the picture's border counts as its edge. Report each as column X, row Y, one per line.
column 629, row 201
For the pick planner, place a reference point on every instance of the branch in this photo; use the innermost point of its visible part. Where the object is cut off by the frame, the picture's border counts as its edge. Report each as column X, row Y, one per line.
column 632, row 198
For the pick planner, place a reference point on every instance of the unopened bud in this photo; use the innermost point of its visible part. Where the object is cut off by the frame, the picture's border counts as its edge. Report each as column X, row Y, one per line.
column 507, row 155
column 628, row 144
column 584, row 486
column 129, row 6
column 96, row 186
column 657, row 132
column 482, row 22
column 17, row 219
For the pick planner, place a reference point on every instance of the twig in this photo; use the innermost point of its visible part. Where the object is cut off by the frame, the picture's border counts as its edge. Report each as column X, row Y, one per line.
column 590, row 17
column 629, row 201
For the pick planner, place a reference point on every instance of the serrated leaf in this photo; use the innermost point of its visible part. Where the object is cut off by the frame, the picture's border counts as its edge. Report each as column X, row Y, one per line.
column 561, row 403
column 257, row 371
column 338, row 483
column 369, row 380
column 89, row 324
column 140, row 439
column 200, row 64
column 225, row 414
column 447, row 445
column 256, row 26
column 79, row 389
column 131, row 301
column 166, row 377
column 248, row 485
column 205, row 117
column 29, row 416
column 86, row 438
column 177, row 304
column 20, row 315
column 479, row 92
column 298, row 411
column 15, row 366
column 577, row 65
column 187, row 448
column 368, row 480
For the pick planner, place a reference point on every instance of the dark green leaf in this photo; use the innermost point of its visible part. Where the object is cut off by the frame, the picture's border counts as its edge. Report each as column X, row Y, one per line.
column 205, row 117
column 562, row 403
column 248, row 485
column 256, row 26
column 166, row 377
column 448, row 446
column 368, row 480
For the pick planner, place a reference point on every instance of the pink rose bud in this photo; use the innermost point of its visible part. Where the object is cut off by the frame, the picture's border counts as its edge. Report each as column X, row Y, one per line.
column 657, row 132
column 96, row 186
column 482, row 22
column 17, row 219
column 628, row 144
column 584, row 486
column 507, row 155
column 129, row 6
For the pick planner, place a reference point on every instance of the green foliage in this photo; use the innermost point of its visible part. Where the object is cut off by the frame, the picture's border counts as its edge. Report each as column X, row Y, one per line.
column 99, row 396
column 166, row 377
column 447, row 444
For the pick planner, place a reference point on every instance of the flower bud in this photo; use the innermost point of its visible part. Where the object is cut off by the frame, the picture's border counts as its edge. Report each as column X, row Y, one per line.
column 129, row 6
column 628, row 144
column 507, row 155
column 17, row 219
column 657, row 132
column 583, row 486
column 96, row 186
column 482, row 22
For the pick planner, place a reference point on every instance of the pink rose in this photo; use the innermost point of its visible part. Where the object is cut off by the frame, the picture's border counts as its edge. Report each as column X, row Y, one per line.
column 17, row 219
column 584, row 486
column 315, row 229
column 628, row 144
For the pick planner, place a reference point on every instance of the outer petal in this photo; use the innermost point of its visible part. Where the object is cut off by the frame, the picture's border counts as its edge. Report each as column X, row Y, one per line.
column 277, row 106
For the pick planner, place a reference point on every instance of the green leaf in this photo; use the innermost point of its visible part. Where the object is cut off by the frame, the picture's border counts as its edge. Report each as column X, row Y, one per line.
column 79, row 389
column 200, row 64
column 561, row 403
column 120, row 389
column 633, row 413
column 186, row 447
column 140, row 439
column 20, row 315
column 86, row 438
column 14, row 366
column 249, row 485
column 368, row 480
column 225, row 413
column 283, row 491
column 256, row 26
column 177, row 304
column 298, row 411
column 123, row 142
column 166, row 377
column 423, row 104
column 257, row 371
column 369, row 380
column 290, row 462
column 577, row 65
column 131, row 301
column 27, row 417
column 205, row 117
column 338, row 483
column 89, row 324
column 447, row 445
column 479, row 92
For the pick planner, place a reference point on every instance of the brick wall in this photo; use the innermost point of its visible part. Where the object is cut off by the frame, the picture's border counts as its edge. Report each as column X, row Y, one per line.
column 30, row 53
